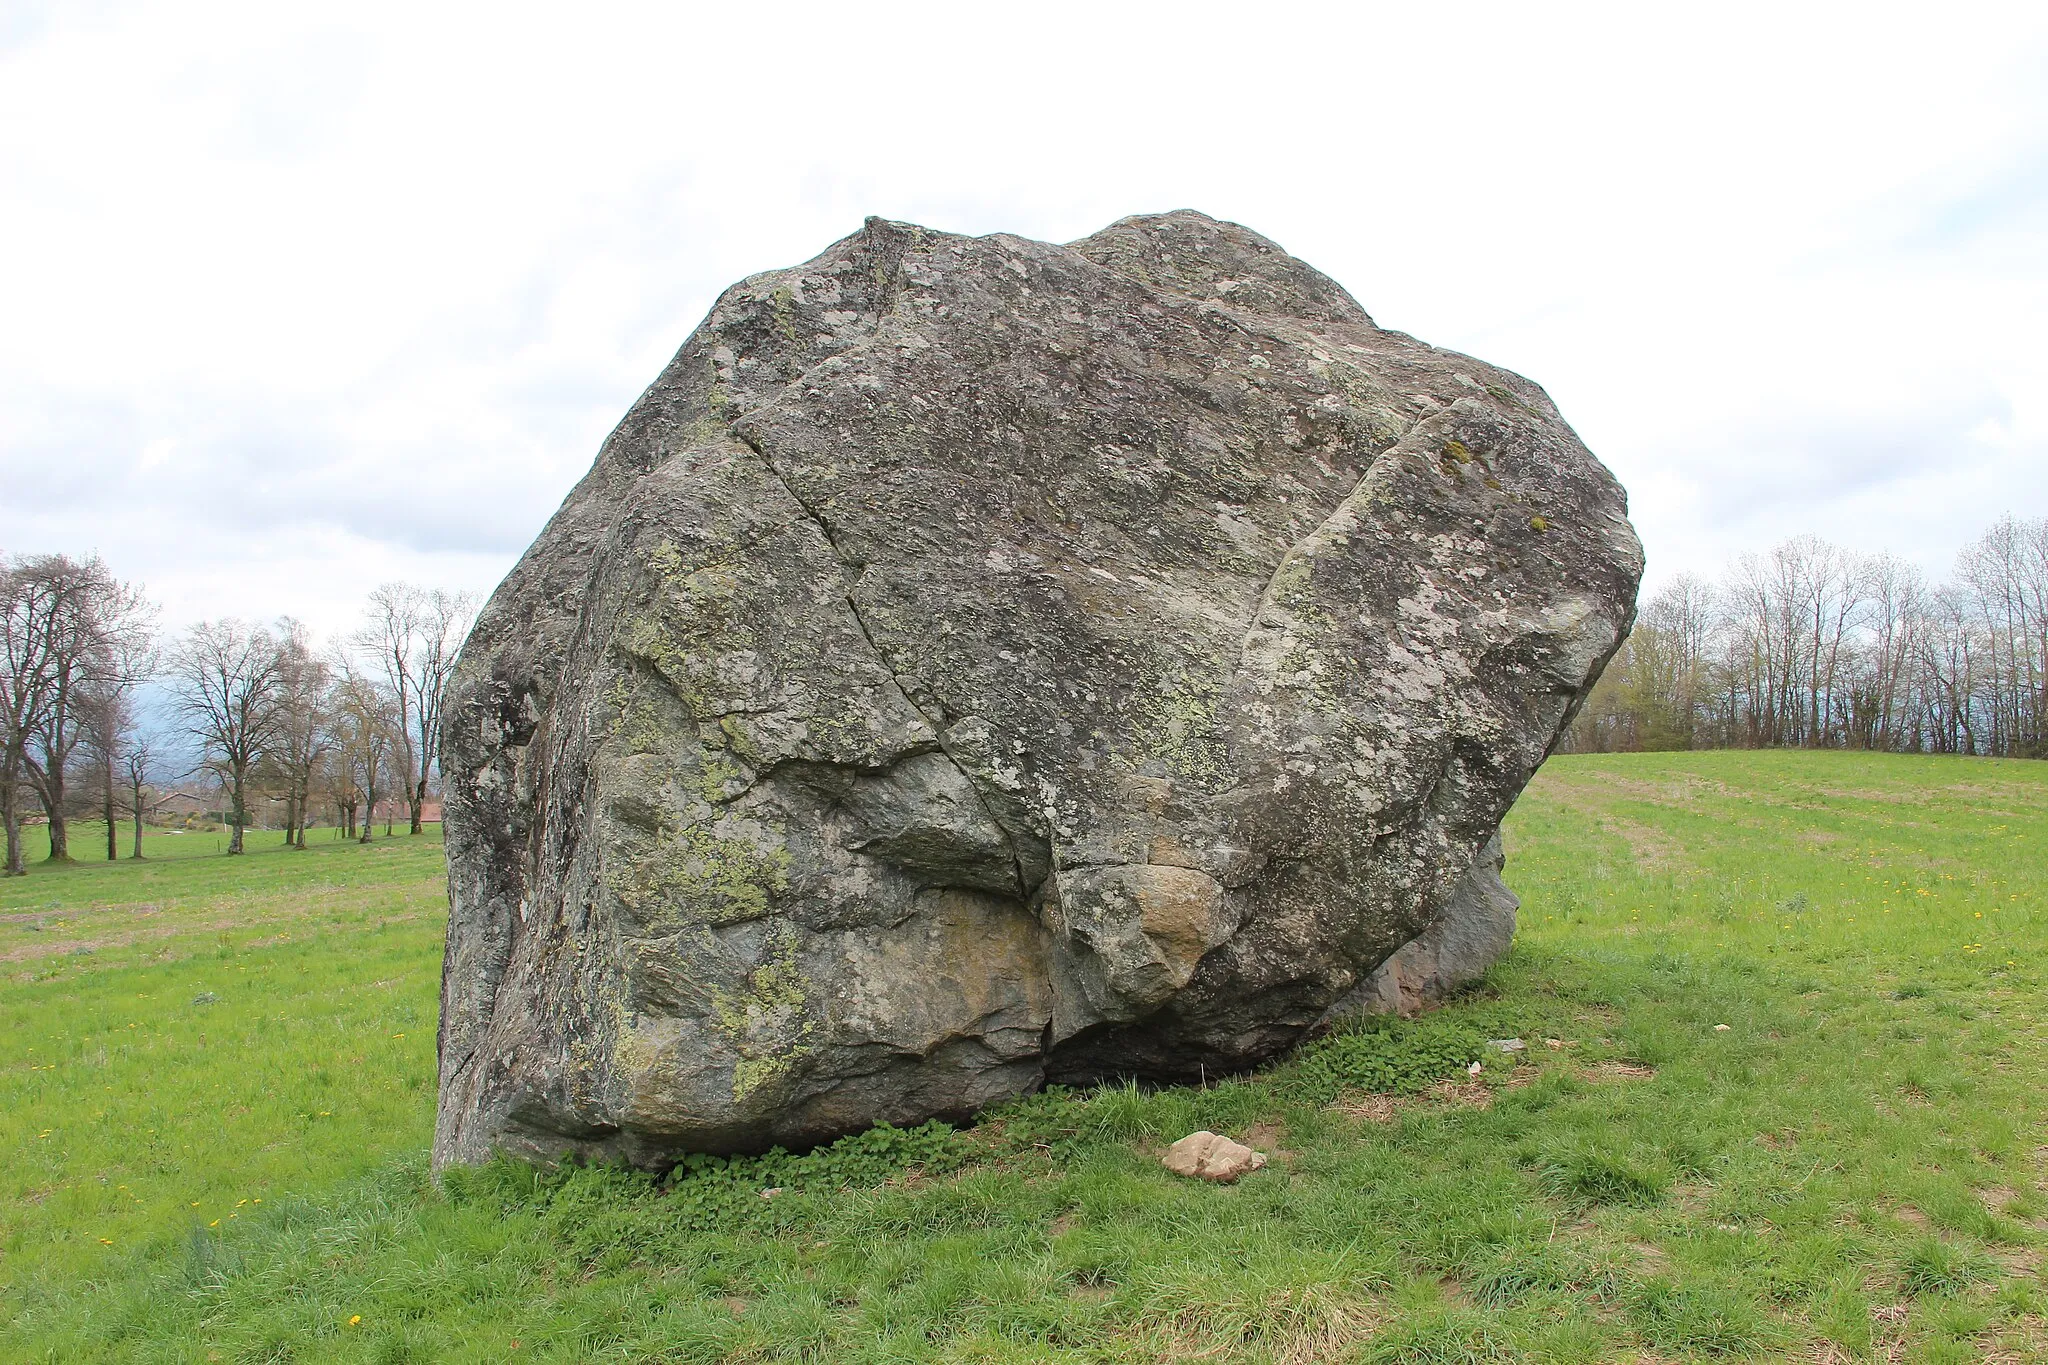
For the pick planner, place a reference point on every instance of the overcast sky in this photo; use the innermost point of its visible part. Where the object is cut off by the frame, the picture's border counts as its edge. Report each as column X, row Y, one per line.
column 292, row 303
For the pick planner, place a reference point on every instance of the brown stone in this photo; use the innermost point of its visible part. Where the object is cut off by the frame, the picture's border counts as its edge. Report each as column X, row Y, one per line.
column 1213, row 1157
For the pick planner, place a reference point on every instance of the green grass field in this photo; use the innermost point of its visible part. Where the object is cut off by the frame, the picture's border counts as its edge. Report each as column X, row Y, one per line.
column 1784, row 1098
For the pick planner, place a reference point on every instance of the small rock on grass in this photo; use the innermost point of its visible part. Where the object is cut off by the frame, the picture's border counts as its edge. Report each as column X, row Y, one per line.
column 1211, row 1156
column 206, row 998
column 1506, row 1044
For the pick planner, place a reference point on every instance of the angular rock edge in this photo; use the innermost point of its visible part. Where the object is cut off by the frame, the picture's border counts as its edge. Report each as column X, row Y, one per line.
column 976, row 663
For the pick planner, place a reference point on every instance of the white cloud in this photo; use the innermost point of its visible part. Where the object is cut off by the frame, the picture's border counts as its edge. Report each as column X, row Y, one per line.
column 296, row 305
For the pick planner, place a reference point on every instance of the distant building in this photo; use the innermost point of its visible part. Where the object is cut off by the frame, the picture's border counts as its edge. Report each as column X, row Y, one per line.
column 396, row 812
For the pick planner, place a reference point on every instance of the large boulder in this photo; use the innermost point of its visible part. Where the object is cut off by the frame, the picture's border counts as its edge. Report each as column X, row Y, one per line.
column 976, row 663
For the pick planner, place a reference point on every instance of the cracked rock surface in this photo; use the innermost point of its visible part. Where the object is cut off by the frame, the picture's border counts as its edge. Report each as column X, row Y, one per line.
column 977, row 662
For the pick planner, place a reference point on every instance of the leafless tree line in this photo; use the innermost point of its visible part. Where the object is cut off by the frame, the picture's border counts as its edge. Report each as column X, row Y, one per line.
column 1811, row 645
column 266, row 710
column 74, row 643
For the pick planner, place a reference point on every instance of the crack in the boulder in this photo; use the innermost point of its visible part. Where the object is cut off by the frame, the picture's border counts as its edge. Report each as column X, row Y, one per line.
column 846, row 562
column 1288, row 555
column 935, row 724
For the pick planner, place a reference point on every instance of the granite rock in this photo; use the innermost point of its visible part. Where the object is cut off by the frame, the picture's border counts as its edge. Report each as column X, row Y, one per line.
column 976, row 663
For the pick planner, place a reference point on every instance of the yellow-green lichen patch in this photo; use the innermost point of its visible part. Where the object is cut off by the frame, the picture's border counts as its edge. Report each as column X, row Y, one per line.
column 770, row 1020
column 840, row 730
column 1302, row 664
column 631, row 1053
column 1539, row 524
column 1177, row 726
column 1458, row 451
column 696, row 876
column 708, row 429
column 1292, row 581
column 715, row 779
column 637, row 725
column 779, row 305
column 690, row 617
column 740, row 739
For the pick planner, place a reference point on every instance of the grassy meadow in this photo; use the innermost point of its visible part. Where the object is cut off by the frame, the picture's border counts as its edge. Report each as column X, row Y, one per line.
column 1782, row 1098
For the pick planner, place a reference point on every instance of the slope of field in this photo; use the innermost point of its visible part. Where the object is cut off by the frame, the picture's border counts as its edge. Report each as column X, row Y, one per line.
column 1782, row 1097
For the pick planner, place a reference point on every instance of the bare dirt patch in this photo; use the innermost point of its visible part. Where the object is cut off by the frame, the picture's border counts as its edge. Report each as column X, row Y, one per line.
column 1997, row 1197
column 1618, row 1071
column 1461, row 1092
column 1269, row 1138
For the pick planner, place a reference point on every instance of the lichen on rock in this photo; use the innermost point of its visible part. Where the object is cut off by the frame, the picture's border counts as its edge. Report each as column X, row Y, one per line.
column 978, row 662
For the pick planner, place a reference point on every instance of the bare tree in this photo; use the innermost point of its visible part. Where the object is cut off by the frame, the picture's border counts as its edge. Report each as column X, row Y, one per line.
column 413, row 634
column 444, row 625
column 303, row 738
column 93, row 631
column 125, row 657
column 391, row 636
column 108, row 718
column 1887, row 713
column 25, row 685
column 225, row 676
column 137, row 760
column 1835, row 588
column 366, row 731
column 62, row 590
column 2006, row 574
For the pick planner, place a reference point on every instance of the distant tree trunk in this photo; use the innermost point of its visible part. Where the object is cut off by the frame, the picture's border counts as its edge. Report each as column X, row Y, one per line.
column 238, row 815
column 10, row 816
column 50, row 787
column 136, row 794
column 419, row 801
column 113, row 824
